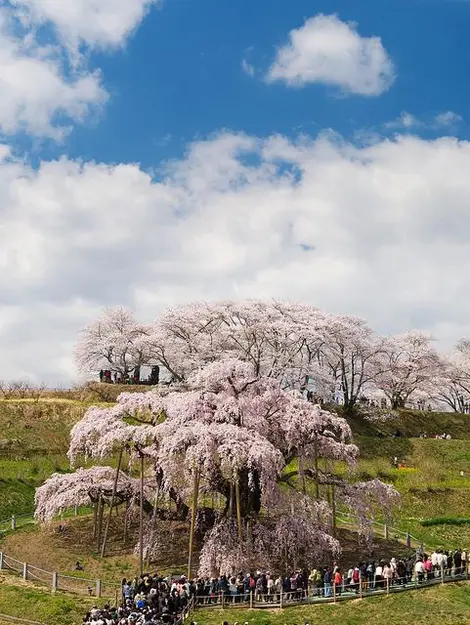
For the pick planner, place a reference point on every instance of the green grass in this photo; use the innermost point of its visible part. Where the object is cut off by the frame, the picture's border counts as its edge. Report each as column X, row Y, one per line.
column 445, row 520
column 446, row 605
column 40, row 605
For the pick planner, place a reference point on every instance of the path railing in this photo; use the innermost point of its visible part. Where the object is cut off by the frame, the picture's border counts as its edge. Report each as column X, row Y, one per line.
column 85, row 586
column 343, row 519
column 58, row 581
column 17, row 620
column 381, row 529
column 18, row 521
column 326, row 593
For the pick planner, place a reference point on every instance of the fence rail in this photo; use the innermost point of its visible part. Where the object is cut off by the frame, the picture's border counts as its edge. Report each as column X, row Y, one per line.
column 17, row 619
column 382, row 529
column 81, row 585
column 328, row 593
column 18, row 521
column 58, row 581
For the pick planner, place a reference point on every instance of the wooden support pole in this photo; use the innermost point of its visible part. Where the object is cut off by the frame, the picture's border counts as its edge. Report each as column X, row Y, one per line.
column 99, row 522
column 317, row 479
column 197, row 476
column 113, row 497
column 141, row 516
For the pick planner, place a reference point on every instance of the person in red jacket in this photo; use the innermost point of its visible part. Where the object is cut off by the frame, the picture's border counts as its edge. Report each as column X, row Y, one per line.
column 338, row 581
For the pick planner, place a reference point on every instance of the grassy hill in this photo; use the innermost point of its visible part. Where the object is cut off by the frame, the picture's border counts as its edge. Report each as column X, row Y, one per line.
column 24, row 600
column 34, row 434
column 34, row 441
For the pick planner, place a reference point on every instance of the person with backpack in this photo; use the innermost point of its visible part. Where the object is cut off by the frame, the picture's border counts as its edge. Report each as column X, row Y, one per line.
column 327, row 579
column 356, row 576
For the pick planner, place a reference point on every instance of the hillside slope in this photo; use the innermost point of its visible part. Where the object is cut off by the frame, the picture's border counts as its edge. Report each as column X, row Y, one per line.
column 35, row 434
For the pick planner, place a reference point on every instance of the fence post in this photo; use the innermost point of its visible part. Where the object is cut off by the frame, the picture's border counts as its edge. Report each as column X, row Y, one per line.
column 334, row 592
column 280, row 596
column 251, row 599
column 1, row 560
column 360, row 585
column 25, row 570
column 386, row 531
column 55, row 582
column 223, row 599
column 75, row 510
column 98, row 588
column 442, row 574
column 13, row 522
column 388, row 585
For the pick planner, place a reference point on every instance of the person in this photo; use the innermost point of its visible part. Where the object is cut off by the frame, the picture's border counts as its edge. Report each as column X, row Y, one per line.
column 378, row 581
column 356, row 576
column 78, row 566
column 387, row 572
column 327, row 579
column 419, row 570
column 338, row 581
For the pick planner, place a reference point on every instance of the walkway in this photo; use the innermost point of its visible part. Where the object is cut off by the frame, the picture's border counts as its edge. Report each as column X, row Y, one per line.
column 287, row 600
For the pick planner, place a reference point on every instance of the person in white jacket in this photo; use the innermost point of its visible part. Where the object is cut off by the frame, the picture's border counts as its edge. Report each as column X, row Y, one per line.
column 419, row 570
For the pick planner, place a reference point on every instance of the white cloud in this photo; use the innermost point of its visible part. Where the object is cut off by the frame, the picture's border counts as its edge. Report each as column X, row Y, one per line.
column 407, row 121
column 449, row 118
column 45, row 88
column 248, row 68
column 379, row 231
column 37, row 97
column 328, row 51
column 92, row 22
column 5, row 152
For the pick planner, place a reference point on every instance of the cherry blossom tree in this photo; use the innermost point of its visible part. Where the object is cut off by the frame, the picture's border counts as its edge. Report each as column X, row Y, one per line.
column 291, row 342
column 114, row 342
column 278, row 339
column 232, row 431
column 452, row 387
column 408, row 364
column 81, row 488
column 351, row 352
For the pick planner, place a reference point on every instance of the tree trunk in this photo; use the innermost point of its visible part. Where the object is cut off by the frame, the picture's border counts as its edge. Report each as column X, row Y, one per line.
column 230, row 507
column 193, row 518
column 95, row 518
column 302, row 475
column 141, row 517
column 333, row 506
column 113, row 497
column 126, row 516
column 239, row 511
column 154, row 520
column 315, row 460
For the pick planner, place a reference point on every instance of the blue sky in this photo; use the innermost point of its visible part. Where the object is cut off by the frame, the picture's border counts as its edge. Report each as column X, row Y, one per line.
column 155, row 153
column 180, row 76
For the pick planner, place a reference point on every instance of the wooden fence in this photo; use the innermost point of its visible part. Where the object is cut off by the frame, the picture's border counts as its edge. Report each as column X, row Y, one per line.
column 60, row 582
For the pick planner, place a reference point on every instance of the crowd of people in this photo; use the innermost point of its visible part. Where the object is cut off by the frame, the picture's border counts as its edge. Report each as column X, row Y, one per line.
column 146, row 600
column 150, row 599
column 330, row 581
